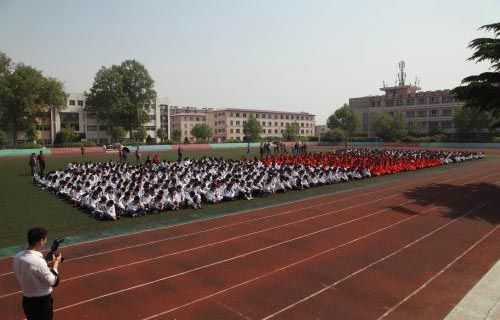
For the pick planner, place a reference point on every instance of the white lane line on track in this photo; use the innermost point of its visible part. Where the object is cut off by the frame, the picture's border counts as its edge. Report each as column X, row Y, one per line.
column 408, row 297
column 290, row 265
column 238, row 212
column 376, row 262
column 246, row 235
column 242, row 222
column 218, row 262
column 242, row 236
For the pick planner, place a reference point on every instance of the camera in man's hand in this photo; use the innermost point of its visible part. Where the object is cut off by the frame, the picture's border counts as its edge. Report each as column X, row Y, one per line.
column 53, row 249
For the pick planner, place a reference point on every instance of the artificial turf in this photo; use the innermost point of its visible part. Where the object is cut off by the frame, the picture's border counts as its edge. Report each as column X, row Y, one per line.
column 23, row 205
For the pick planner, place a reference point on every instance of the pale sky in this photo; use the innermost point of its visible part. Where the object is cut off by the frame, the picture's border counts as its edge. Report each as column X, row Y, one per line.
column 288, row 55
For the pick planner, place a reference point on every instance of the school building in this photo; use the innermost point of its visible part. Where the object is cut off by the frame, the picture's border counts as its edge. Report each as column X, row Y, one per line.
column 427, row 112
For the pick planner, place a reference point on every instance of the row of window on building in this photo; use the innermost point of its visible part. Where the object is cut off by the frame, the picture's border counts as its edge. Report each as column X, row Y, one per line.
column 75, row 102
column 268, row 124
column 412, row 101
column 431, row 125
column 265, row 115
column 430, row 113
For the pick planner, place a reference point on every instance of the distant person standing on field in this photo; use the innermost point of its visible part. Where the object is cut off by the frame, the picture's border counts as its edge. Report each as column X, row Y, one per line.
column 82, row 150
column 138, row 156
column 179, row 154
column 41, row 161
column 33, row 163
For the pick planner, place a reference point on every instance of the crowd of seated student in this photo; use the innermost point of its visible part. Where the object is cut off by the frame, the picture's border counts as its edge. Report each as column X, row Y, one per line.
column 112, row 190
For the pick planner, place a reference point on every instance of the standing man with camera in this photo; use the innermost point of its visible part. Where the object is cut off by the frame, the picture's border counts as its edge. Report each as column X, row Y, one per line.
column 37, row 276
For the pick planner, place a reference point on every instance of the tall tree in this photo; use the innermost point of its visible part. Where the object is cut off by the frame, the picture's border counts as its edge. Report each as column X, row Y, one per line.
column 483, row 91
column 291, row 131
column 160, row 134
column 470, row 122
column 140, row 134
column 344, row 118
column 25, row 95
column 176, row 135
column 201, row 132
column 388, row 126
column 252, row 129
column 117, row 133
column 122, row 95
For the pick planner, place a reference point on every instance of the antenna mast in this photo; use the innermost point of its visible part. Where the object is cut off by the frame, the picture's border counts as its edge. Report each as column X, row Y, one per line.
column 402, row 74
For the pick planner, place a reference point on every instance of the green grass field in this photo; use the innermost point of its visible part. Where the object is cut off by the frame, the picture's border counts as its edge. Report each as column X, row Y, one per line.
column 24, row 205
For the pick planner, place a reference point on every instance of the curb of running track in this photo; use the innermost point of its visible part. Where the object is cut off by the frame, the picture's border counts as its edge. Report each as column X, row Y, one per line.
column 482, row 301
column 255, row 205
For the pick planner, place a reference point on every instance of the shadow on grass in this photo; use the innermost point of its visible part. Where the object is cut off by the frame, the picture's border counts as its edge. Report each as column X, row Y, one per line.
column 441, row 194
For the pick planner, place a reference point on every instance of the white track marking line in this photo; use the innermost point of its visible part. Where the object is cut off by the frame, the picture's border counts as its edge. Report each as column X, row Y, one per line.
column 242, row 236
column 238, row 223
column 251, row 210
column 238, row 237
column 287, row 267
column 281, row 268
column 376, row 262
column 220, row 262
column 437, row 274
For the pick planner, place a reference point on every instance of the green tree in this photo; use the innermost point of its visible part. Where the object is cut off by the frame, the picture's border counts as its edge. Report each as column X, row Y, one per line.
column 176, row 135
column 3, row 138
column 117, row 133
column 5, row 64
column 335, row 134
column 160, row 134
column 140, row 134
column 31, row 132
column 122, row 95
column 470, row 122
column 252, row 129
column 388, row 126
column 201, row 132
column 291, row 131
column 66, row 135
column 483, row 91
column 344, row 118
column 25, row 94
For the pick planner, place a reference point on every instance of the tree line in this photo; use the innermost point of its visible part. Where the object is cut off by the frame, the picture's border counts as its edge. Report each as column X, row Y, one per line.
column 121, row 97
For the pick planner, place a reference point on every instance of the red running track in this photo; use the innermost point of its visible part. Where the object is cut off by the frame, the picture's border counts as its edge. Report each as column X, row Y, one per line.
column 364, row 254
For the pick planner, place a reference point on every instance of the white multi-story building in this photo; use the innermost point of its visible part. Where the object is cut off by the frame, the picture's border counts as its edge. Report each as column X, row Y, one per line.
column 90, row 128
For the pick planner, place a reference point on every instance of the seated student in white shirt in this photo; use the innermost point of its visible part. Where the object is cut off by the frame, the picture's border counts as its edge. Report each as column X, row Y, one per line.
column 279, row 186
column 177, row 198
column 135, row 207
column 157, row 204
column 123, row 202
column 168, row 199
column 109, row 212
column 228, row 193
column 147, row 198
column 242, row 191
column 76, row 195
column 189, row 202
column 94, row 201
column 213, row 195
column 100, row 208
column 268, row 187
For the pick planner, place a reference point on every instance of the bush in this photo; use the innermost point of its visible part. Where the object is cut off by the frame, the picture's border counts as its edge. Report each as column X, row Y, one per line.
column 78, row 144
column 496, row 139
column 3, row 138
column 29, row 145
column 335, row 134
